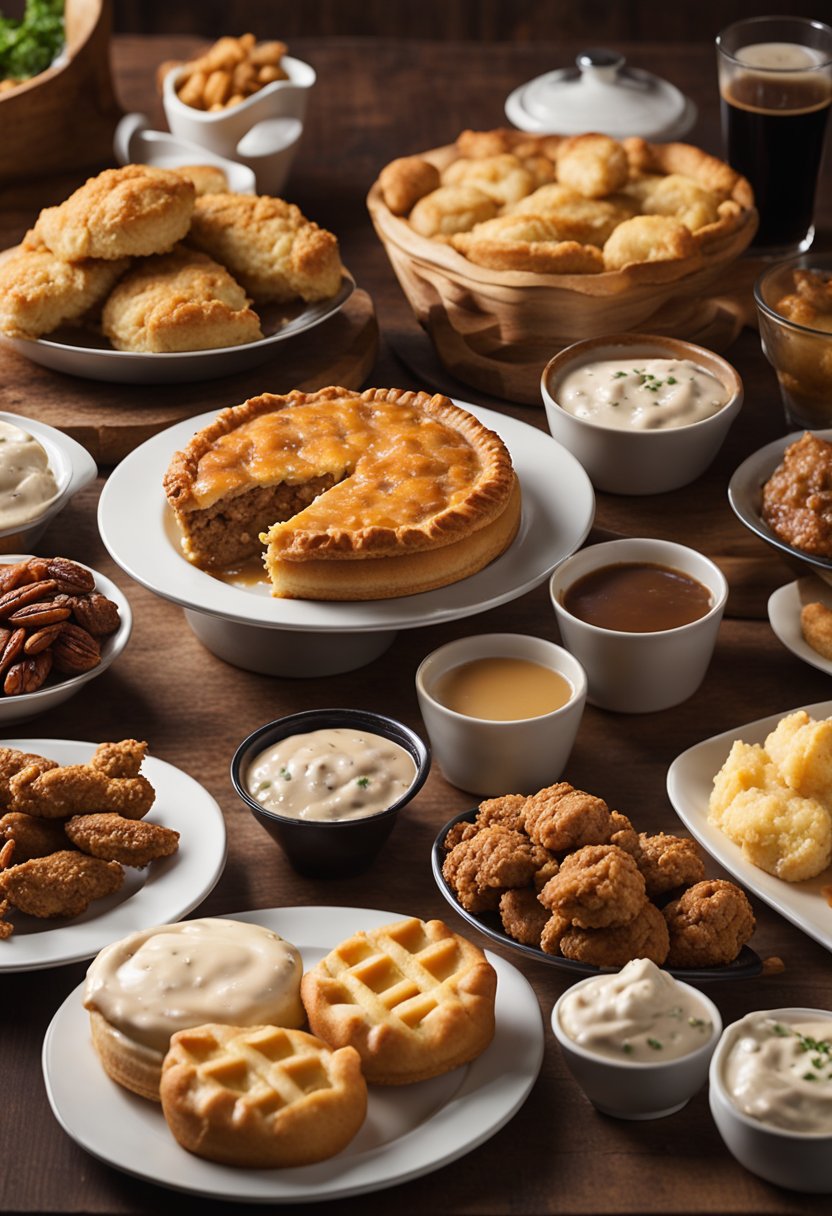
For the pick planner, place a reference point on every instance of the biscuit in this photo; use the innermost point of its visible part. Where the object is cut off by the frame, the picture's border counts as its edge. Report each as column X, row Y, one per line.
column 592, row 164
column 405, row 180
column 413, row 998
column 261, row 1096
column 648, row 239
column 529, row 243
column 503, row 178
column 451, row 209
column 206, row 179
column 268, row 245
column 179, row 301
column 129, row 212
column 39, row 292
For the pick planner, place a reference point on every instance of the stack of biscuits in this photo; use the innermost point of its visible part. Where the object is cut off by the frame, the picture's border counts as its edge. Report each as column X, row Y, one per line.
column 164, row 260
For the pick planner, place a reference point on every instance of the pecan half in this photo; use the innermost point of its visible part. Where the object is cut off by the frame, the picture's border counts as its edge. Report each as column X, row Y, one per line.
column 41, row 638
column 69, row 576
column 75, row 650
column 96, row 613
column 42, row 612
column 25, row 594
column 11, row 576
column 36, row 570
column 12, row 648
column 27, row 675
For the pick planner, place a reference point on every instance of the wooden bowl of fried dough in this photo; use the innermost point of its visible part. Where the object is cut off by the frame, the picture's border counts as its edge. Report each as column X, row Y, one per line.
column 510, row 247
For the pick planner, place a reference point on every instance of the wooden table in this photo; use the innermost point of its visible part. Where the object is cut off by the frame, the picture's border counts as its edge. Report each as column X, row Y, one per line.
column 557, row 1155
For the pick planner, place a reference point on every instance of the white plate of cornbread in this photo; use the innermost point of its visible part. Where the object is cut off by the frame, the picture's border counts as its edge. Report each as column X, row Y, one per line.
column 164, row 890
column 409, row 1129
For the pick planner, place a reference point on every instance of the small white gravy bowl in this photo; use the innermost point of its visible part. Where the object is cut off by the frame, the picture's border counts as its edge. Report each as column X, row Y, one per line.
column 623, row 460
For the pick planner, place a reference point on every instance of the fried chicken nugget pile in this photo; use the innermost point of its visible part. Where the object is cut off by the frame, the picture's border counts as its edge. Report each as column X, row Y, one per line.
column 68, row 830
column 569, row 875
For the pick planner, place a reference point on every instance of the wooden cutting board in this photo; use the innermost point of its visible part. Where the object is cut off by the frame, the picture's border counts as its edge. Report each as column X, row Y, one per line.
column 110, row 420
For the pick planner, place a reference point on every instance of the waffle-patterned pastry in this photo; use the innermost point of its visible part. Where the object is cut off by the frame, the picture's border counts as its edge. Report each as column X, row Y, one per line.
column 261, row 1096
column 413, row 998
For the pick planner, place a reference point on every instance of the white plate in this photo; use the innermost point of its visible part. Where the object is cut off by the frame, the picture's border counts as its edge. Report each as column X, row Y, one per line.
column 410, row 1130
column 784, row 607
column 79, row 352
column 163, row 892
column 137, row 527
column 689, row 783
column 745, row 496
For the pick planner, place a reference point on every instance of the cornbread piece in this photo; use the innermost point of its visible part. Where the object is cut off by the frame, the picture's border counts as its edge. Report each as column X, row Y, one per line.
column 592, row 164
column 597, row 887
column 780, row 831
column 797, row 498
column 646, row 936
column 129, row 212
column 62, row 884
column 801, row 749
column 261, row 1096
column 413, row 998
column 355, row 496
column 268, row 246
column 405, row 180
column 39, row 292
column 667, row 862
column 708, row 925
column 179, row 301
column 746, row 767
column 451, row 209
column 128, row 841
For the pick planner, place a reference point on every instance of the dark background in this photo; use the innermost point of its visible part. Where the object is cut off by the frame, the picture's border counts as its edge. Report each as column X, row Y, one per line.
column 597, row 21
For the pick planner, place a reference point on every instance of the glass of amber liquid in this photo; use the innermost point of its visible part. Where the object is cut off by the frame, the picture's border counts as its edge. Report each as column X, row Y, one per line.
column 775, row 84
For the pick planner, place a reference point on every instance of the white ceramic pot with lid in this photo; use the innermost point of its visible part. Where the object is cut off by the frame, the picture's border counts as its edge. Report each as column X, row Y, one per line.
column 603, row 93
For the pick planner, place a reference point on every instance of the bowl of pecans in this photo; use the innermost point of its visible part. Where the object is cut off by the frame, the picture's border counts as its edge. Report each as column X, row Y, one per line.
column 61, row 625
column 241, row 99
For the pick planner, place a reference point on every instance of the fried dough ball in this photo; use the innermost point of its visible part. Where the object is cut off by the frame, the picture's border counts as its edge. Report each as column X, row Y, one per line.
column 649, row 238
column 746, row 767
column 32, row 837
column 801, row 749
column 528, row 243
column 816, row 627
column 63, row 884
column 646, row 936
column 781, row 832
column 561, row 818
column 522, row 916
column 451, row 209
column 596, row 887
column 405, row 180
column 129, row 841
column 594, row 165
column 503, row 177
column 589, row 221
column 479, row 869
column 709, row 924
column 552, row 934
column 668, row 862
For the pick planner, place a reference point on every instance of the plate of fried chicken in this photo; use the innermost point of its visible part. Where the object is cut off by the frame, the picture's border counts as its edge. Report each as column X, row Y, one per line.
column 97, row 841
column 563, row 879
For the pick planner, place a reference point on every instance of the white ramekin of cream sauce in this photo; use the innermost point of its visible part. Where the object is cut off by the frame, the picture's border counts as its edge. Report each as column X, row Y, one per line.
column 641, row 394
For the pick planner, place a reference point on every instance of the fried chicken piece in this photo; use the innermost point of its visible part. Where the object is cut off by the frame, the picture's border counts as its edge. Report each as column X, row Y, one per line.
column 32, row 837
column 669, row 861
column 129, row 841
column 624, row 835
column 646, row 936
column 63, row 884
column 133, row 211
column 597, row 886
column 709, row 924
column 78, row 789
column 39, row 292
column 268, row 245
column 562, row 818
column 480, row 869
column 12, row 762
column 182, row 300
column 459, row 832
column 523, row 916
column 552, row 934
column 547, row 870
column 507, row 810
column 122, row 759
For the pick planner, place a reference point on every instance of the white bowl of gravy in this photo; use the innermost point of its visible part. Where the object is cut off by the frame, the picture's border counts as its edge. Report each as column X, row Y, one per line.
column 643, row 414
column 770, row 1083
column 501, row 710
column 642, row 616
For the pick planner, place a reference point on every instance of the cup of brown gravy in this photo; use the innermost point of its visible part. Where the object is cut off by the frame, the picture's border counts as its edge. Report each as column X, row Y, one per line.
column 502, row 711
column 642, row 616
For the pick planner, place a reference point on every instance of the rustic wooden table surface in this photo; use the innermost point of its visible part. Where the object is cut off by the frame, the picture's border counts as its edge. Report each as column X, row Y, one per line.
column 374, row 101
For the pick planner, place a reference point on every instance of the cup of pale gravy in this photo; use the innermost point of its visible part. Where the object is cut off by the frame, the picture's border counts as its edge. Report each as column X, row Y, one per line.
column 502, row 711
column 642, row 616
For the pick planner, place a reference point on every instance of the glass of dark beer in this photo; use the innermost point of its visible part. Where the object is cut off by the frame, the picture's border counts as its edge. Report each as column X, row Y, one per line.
column 775, row 84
